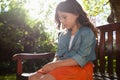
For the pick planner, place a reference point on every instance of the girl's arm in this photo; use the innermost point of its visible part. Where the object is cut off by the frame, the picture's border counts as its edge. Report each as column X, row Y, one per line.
column 66, row 62
column 52, row 65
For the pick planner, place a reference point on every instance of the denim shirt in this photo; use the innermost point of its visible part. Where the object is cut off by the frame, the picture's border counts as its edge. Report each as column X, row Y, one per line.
column 82, row 49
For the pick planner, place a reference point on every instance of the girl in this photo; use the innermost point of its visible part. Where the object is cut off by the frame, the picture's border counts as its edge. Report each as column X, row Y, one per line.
column 76, row 46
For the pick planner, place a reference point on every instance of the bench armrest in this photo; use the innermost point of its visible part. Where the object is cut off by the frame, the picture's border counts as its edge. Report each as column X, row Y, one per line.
column 22, row 56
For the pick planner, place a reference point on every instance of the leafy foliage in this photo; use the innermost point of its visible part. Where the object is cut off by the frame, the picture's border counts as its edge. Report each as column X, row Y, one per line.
column 94, row 7
column 98, row 10
column 20, row 34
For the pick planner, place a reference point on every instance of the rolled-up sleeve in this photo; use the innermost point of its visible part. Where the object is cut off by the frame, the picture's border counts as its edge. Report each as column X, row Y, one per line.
column 85, row 49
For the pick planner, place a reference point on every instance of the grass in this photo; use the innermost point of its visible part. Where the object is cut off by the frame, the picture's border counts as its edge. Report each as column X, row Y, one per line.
column 8, row 77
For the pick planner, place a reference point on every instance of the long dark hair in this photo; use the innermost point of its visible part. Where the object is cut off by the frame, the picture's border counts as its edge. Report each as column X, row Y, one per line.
column 72, row 6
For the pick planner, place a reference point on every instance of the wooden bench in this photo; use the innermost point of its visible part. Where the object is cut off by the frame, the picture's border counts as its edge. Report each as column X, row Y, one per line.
column 107, row 64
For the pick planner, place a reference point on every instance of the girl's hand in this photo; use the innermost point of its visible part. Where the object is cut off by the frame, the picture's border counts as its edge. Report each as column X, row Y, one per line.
column 59, row 63
column 48, row 67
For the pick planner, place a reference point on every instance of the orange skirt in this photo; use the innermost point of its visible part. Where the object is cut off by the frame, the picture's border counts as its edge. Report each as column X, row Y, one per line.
column 74, row 72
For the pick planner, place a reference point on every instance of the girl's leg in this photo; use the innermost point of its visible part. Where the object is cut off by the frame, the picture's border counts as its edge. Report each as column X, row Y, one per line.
column 47, row 77
column 39, row 76
column 35, row 76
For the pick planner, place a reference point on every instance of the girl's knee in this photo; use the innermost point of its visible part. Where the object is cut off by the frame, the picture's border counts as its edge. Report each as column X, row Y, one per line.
column 47, row 77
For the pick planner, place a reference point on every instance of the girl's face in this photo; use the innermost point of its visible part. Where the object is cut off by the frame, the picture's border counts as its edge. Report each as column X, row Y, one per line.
column 68, row 20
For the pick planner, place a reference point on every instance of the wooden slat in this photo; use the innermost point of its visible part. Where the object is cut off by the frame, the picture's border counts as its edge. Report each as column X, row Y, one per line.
column 109, row 46
column 19, row 67
column 110, row 27
column 102, row 53
column 96, row 68
column 118, row 52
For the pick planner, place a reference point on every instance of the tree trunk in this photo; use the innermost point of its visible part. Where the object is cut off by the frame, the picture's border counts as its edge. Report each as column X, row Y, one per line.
column 115, row 11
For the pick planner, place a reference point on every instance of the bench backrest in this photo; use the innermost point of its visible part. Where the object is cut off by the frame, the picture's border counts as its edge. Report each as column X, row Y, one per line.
column 107, row 63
